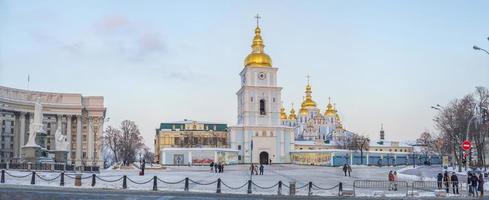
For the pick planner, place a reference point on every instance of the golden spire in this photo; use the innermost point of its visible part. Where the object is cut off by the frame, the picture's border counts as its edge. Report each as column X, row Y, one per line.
column 303, row 110
column 330, row 110
column 283, row 115
column 257, row 57
column 292, row 115
column 308, row 102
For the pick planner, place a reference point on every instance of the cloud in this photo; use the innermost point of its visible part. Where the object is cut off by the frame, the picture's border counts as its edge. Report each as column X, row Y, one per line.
column 112, row 23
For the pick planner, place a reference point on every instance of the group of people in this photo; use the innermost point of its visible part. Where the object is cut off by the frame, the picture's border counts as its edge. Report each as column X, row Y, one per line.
column 217, row 167
column 392, row 177
column 254, row 169
column 476, row 184
column 347, row 168
column 447, row 180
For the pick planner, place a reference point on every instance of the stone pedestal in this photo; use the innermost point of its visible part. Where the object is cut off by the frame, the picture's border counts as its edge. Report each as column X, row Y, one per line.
column 60, row 156
column 31, row 153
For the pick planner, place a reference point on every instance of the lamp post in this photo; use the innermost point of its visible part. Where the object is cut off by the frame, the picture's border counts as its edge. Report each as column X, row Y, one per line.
column 475, row 47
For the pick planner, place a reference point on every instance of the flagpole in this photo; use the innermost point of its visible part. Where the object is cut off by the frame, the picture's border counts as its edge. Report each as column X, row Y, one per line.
column 251, row 161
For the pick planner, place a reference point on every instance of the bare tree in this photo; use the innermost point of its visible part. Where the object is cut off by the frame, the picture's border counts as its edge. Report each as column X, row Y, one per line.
column 112, row 140
column 131, row 141
column 148, row 155
column 360, row 143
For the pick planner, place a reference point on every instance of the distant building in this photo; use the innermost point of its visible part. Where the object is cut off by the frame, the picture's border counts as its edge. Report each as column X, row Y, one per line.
column 186, row 135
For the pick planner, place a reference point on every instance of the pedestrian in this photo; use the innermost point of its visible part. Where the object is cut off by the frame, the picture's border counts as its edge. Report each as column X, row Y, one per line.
column 215, row 168
column 256, row 169
column 446, row 181
column 212, row 166
column 454, row 179
column 395, row 180
column 481, row 184
column 261, row 169
column 143, row 165
column 391, row 180
column 469, row 183
column 270, row 163
column 345, row 168
column 474, row 182
column 252, row 168
column 222, row 167
column 439, row 180
column 349, row 170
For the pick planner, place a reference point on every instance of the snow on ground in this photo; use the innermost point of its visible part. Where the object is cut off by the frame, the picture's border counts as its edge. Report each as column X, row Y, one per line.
column 233, row 176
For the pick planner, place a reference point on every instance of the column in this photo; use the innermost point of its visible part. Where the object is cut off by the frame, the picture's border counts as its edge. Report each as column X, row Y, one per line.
column 90, row 141
column 68, row 137
column 99, row 143
column 58, row 126
column 21, row 133
column 78, row 140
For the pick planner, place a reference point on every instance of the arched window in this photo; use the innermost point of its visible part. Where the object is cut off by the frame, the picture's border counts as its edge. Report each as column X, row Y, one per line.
column 262, row 107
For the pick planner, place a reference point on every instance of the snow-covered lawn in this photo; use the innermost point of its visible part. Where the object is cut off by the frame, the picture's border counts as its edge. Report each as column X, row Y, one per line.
column 233, row 176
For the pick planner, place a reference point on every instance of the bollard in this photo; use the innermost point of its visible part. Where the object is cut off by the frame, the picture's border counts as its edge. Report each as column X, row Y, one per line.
column 309, row 193
column 155, row 183
column 292, row 188
column 186, row 185
column 218, row 186
column 124, row 182
column 78, row 180
column 249, row 186
column 62, row 180
column 279, row 190
column 93, row 180
column 3, row 176
column 33, row 179
column 340, row 188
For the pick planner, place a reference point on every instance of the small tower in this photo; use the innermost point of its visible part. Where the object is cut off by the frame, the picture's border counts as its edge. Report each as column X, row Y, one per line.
column 382, row 133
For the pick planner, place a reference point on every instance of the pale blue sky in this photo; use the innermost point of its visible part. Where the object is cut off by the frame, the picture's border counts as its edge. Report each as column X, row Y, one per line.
column 155, row 61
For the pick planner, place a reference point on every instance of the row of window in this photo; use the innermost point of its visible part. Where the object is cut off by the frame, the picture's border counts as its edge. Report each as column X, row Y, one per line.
column 264, row 134
column 395, row 150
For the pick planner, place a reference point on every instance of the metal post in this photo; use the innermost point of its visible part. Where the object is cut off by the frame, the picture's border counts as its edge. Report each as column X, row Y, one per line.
column 309, row 193
column 33, row 179
column 291, row 188
column 279, row 191
column 3, row 176
column 186, row 185
column 124, row 182
column 249, row 186
column 218, row 185
column 340, row 189
column 155, row 183
column 62, row 180
column 93, row 180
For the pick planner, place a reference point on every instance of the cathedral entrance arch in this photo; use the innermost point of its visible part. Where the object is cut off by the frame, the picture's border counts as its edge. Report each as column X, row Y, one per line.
column 264, row 157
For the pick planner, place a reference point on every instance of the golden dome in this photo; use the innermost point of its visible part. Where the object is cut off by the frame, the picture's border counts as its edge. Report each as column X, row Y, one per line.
column 292, row 115
column 257, row 57
column 303, row 110
column 308, row 102
column 330, row 111
column 283, row 115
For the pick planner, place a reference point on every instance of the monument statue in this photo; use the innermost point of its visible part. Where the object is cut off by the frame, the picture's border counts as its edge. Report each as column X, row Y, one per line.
column 35, row 126
column 61, row 143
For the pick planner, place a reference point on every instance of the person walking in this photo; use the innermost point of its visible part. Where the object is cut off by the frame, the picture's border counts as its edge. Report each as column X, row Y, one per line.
column 222, row 167
column 256, row 169
column 344, row 169
column 469, row 184
column 454, row 179
column 474, row 182
column 215, row 168
column 439, row 180
column 395, row 180
column 391, row 180
column 349, row 170
column 481, row 184
column 212, row 166
column 446, row 181
column 252, row 168
column 261, row 169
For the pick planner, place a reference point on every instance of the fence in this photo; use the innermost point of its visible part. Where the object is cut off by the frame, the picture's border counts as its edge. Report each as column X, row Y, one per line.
column 432, row 186
column 218, row 185
column 48, row 167
column 394, row 186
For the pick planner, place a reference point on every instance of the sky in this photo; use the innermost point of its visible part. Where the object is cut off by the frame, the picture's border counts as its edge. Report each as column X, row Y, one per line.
column 381, row 62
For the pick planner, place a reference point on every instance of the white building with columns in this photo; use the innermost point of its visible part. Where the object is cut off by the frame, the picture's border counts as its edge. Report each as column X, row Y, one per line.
column 80, row 119
column 259, row 103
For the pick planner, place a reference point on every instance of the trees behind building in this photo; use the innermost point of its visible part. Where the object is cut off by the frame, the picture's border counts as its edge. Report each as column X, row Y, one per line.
column 122, row 144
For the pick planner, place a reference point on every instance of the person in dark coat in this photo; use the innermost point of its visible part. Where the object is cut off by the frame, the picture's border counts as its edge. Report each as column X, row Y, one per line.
column 474, row 182
column 215, row 168
column 348, row 168
column 439, row 180
column 345, row 168
column 446, row 181
column 261, row 169
column 454, row 183
column 481, row 184
column 212, row 166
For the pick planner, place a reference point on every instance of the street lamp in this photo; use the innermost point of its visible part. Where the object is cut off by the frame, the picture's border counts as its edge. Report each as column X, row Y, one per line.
column 475, row 47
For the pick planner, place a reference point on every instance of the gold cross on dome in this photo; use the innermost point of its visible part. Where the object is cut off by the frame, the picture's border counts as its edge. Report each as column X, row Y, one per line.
column 257, row 20
column 308, row 77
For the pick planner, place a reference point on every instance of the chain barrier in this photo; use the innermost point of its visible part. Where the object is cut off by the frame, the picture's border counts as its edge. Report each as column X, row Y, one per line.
column 21, row 176
column 264, row 188
column 307, row 184
column 139, row 183
column 47, row 179
column 109, row 181
column 285, row 185
column 195, row 182
column 74, row 177
column 234, row 188
column 168, row 182
column 315, row 187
